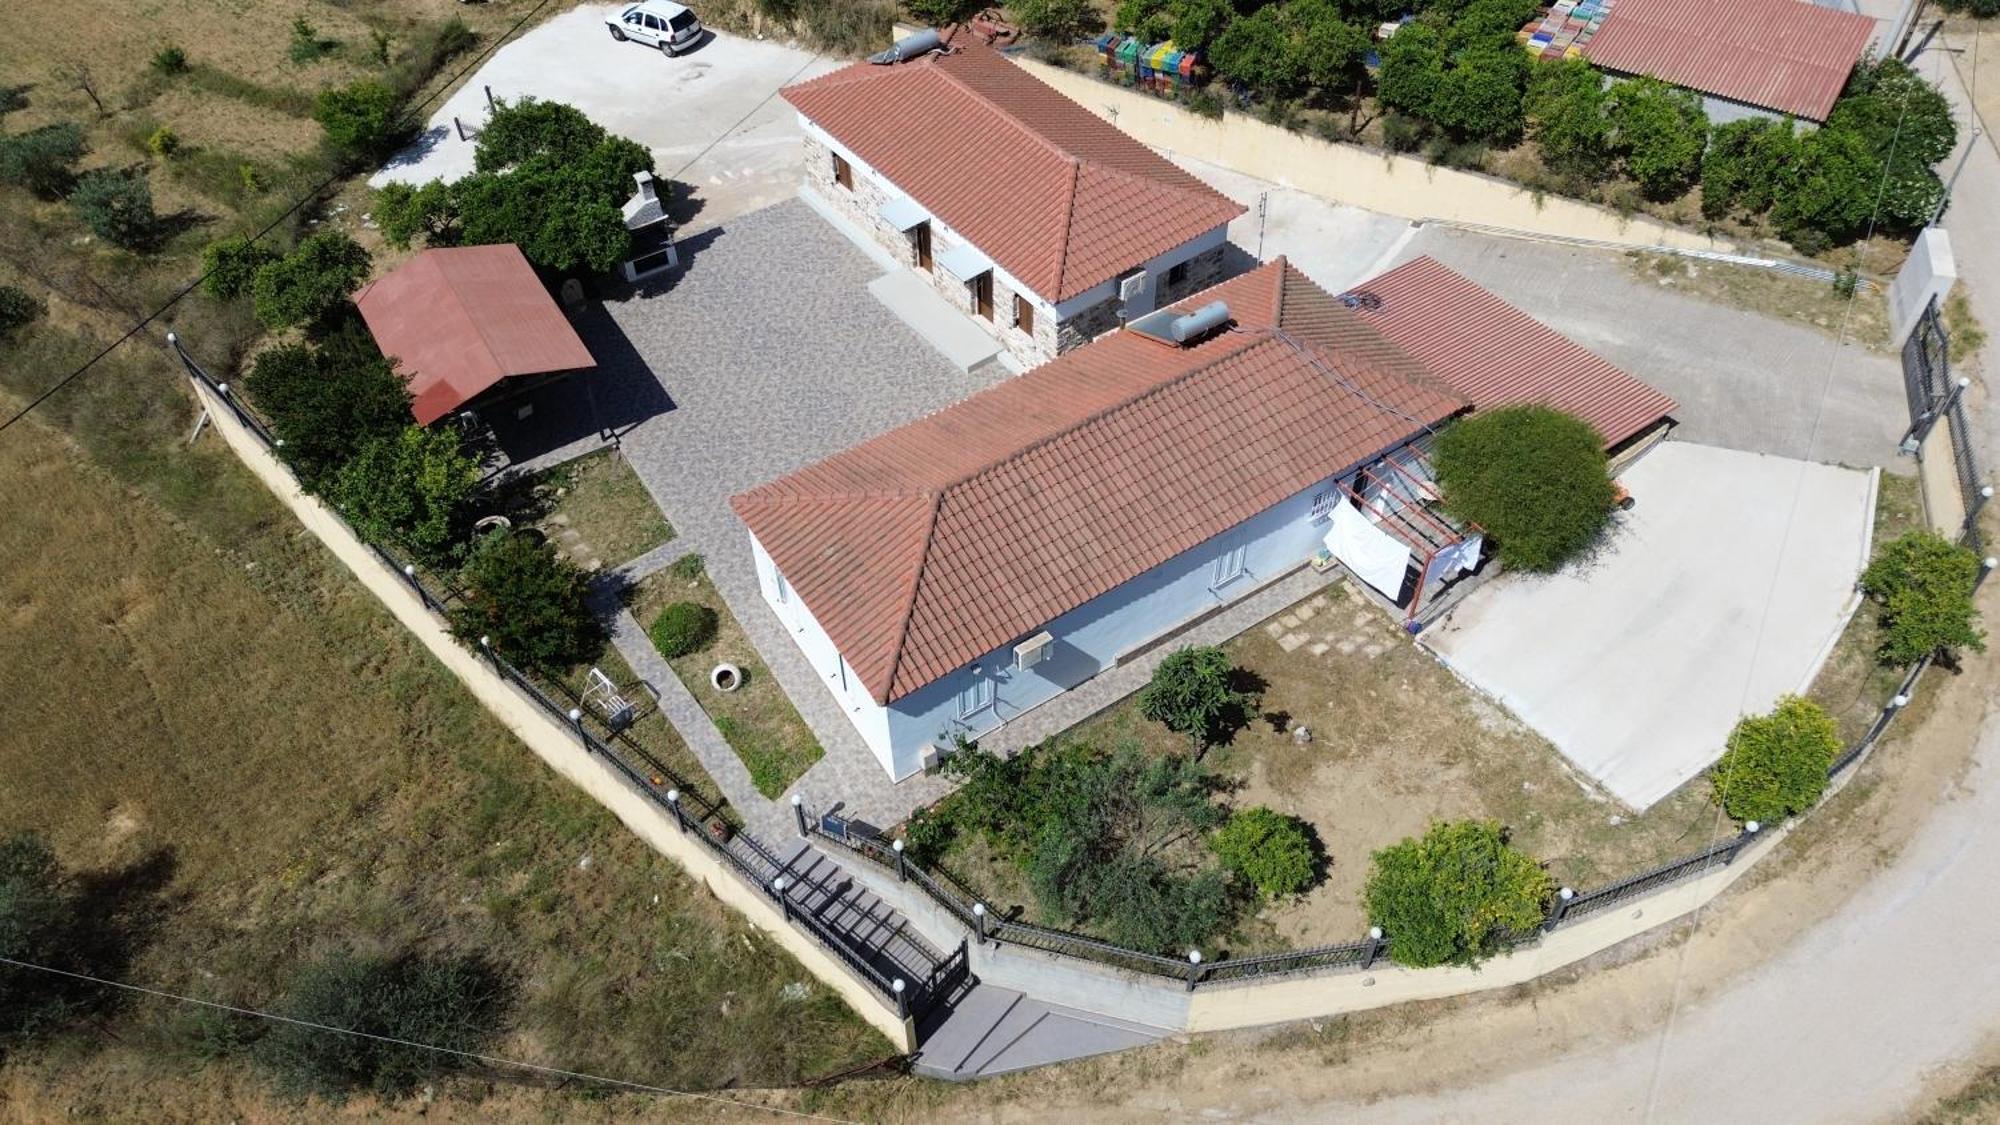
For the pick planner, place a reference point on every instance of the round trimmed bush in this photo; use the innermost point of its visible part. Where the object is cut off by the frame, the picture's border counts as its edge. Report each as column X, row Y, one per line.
column 1273, row 851
column 1776, row 764
column 1451, row 895
column 682, row 628
column 1534, row 478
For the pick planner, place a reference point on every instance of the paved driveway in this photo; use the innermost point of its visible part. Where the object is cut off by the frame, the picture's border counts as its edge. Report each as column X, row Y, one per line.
column 764, row 353
column 1720, row 591
column 710, row 116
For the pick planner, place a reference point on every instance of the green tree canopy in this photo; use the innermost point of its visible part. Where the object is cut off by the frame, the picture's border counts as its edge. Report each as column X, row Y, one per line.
column 1533, row 477
column 1924, row 584
column 412, row 489
column 360, row 119
column 1570, row 111
column 1332, row 50
column 1274, row 852
column 530, row 602
column 1151, row 20
column 1412, row 71
column 311, row 284
column 117, row 206
column 1830, row 192
column 1257, row 51
column 326, row 402
column 1193, row 693
column 1776, row 764
column 1660, row 131
column 1059, row 20
column 43, row 160
column 229, row 266
column 449, row 1001
column 943, row 13
column 406, row 212
column 1908, row 126
column 35, row 916
column 1745, row 165
column 1482, row 93
column 1450, row 896
column 1198, row 23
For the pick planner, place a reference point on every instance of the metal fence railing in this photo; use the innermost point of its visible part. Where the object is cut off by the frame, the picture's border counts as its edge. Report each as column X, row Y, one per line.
column 700, row 816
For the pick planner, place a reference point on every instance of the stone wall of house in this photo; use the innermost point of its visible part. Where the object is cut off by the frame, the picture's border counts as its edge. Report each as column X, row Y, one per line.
column 862, row 206
column 1087, row 325
column 1203, row 270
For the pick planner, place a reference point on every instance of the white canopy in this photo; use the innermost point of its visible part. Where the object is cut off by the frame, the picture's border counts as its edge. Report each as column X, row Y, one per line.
column 964, row 261
column 902, row 212
column 1375, row 556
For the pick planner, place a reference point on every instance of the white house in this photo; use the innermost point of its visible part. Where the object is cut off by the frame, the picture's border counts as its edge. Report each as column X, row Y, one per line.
column 1044, row 223
column 950, row 575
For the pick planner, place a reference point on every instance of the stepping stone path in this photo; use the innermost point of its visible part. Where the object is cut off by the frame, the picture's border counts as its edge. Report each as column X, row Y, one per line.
column 571, row 544
column 1292, row 630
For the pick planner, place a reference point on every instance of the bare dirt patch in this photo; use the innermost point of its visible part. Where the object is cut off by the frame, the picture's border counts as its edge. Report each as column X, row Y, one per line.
column 1863, row 319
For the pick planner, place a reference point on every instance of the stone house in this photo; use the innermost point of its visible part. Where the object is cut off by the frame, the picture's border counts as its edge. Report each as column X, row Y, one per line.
column 1045, row 224
column 949, row 576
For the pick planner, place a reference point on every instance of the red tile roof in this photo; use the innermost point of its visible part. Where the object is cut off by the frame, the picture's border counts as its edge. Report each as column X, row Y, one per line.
column 1060, row 198
column 1493, row 354
column 461, row 319
column 1790, row 56
column 932, row 545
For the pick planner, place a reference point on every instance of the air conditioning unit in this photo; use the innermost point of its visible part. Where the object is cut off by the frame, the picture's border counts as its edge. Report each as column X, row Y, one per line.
column 1132, row 287
column 1034, row 650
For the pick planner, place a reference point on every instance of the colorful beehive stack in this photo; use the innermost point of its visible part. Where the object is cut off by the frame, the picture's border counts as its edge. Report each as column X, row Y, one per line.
column 1562, row 32
column 1160, row 67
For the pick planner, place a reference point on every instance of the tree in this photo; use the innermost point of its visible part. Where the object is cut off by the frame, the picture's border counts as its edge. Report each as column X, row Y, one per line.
column 529, row 602
column 1829, row 193
column 1908, row 126
column 117, row 207
column 683, row 628
column 1257, row 51
column 405, row 212
column 1193, row 693
column 1331, row 50
column 1745, row 164
column 1273, row 851
column 1151, row 20
column 43, row 160
column 1570, row 112
column 1660, row 131
column 18, row 309
column 34, row 917
column 1533, row 477
column 1059, row 20
column 1481, row 94
column 943, row 13
column 229, row 266
column 529, row 128
column 1451, row 896
column 360, row 119
column 327, row 402
column 1924, row 584
column 450, row 1001
column 1776, row 764
column 411, row 488
column 1412, row 71
column 310, row 284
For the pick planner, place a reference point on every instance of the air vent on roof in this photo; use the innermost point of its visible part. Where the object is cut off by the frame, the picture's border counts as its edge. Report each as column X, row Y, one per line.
column 1181, row 329
column 1360, row 299
column 909, row 47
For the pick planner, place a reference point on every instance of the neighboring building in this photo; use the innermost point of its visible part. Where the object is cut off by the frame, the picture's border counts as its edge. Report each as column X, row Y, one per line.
column 1749, row 58
column 1027, row 212
column 948, row 576
column 467, row 325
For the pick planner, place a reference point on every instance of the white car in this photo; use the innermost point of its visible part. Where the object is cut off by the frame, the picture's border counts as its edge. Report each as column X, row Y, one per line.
column 657, row 23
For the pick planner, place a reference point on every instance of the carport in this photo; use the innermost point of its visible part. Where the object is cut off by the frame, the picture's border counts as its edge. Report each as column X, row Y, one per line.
column 1722, row 589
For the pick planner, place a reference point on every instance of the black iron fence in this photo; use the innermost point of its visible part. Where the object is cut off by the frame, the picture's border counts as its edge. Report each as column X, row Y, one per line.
column 701, row 817
column 1936, row 395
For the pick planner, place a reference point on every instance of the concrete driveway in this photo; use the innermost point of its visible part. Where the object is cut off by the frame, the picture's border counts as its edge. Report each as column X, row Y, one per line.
column 711, row 116
column 1722, row 589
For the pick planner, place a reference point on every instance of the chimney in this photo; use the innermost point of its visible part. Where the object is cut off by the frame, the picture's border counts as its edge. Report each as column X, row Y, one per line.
column 646, row 189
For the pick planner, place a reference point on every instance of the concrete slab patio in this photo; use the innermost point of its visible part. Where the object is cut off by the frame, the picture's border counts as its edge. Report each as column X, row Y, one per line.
column 1722, row 589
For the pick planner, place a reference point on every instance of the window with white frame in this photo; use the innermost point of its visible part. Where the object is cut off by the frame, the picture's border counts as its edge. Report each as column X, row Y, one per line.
column 975, row 697
column 1227, row 568
column 779, row 587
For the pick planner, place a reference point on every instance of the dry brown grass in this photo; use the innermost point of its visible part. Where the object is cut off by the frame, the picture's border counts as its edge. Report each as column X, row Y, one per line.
column 603, row 501
column 1864, row 320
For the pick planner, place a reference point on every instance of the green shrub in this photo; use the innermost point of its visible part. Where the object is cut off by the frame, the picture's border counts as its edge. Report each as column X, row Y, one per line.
column 252, row 179
column 18, row 309
column 1924, row 584
column 312, row 283
column 170, row 61
column 43, row 160
column 163, row 142
column 1745, row 165
column 1533, row 477
column 1776, row 764
column 689, row 567
column 1203, row 102
column 1978, row 9
column 406, row 211
column 360, row 119
column 1659, row 131
column 328, row 401
column 229, row 266
column 1570, row 114
column 1273, row 851
column 1061, row 20
column 1402, row 133
column 413, row 490
column 453, row 1002
column 941, row 13
column 306, row 45
column 1193, row 693
column 530, row 602
column 117, row 207
column 1452, row 895
column 683, row 628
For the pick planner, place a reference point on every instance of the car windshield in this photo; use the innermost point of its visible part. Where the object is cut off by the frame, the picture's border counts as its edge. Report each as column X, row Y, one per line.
column 681, row 21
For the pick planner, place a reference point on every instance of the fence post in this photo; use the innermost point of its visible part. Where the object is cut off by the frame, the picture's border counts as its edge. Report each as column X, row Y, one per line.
column 778, row 886
column 979, row 921
column 486, row 646
column 576, row 720
column 1750, row 830
column 1559, row 908
column 423, row 595
column 799, row 814
column 674, row 803
column 1194, row 968
column 1374, row 947
column 902, row 1003
column 902, row 876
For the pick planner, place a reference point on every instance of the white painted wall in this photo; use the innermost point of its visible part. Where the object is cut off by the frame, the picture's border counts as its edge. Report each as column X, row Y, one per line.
column 868, row 716
column 1156, row 272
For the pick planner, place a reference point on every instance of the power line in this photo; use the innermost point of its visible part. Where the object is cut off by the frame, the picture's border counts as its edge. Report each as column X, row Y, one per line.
column 491, row 1060
column 317, row 189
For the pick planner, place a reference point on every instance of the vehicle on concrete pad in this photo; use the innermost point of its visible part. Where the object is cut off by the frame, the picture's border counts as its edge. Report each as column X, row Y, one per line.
column 657, row 23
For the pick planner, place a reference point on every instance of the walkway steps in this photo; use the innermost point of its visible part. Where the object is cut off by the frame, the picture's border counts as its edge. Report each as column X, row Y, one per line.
column 997, row 1031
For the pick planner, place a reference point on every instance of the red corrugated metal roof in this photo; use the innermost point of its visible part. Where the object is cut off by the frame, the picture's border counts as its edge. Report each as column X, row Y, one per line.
column 459, row 320
column 1496, row 355
column 1790, row 56
column 1060, row 198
